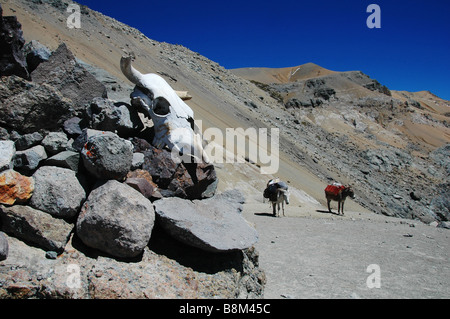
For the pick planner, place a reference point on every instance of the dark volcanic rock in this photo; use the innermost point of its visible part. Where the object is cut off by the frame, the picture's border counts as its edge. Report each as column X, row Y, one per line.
column 185, row 180
column 36, row 53
column 12, row 58
column 65, row 74
column 107, row 115
column 107, row 156
column 28, row 107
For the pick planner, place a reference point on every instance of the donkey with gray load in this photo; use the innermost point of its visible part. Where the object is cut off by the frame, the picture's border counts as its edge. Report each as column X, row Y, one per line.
column 278, row 193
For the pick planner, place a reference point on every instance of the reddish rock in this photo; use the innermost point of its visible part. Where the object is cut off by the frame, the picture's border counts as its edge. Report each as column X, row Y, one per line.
column 140, row 173
column 194, row 181
column 141, row 185
column 185, row 180
column 14, row 187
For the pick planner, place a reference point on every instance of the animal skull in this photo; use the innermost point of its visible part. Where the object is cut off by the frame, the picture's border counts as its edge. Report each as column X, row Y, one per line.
column 173, row 119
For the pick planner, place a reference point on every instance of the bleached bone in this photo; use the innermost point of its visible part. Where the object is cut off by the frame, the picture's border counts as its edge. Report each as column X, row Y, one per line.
column 173, row 119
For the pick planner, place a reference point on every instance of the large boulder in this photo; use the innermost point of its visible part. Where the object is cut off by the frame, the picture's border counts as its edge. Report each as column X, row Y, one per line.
column 63, row 72
column 116, row 219
column 28, row 107
column 107, row 156
column 36, row 227
column 213, row 224
column 12, row 58
column 15, row 188
column 57, row 192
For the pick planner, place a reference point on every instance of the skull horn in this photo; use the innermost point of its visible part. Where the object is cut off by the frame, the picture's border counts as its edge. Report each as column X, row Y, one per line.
column 133, row 75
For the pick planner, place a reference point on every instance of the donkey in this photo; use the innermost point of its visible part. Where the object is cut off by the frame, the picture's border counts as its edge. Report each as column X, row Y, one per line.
column 339, row 194
column 278, row 193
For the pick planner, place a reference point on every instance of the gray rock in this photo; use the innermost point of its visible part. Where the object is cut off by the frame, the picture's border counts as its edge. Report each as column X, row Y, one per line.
column 440, row 157
column 35, row 226
column 51, row 254
column 4, row 135
column 28, row 160
column 28, row 107
column 4, row 248
column 138, row 161
column 36, row 53
column 107, row 156
column 82, row 139
column 116, row 219
column 72, row 126
column 7, row 151
column 28, row 140
column 66, row 159
column 444, row 224
column 55, row 142
column 107, row 115
column 57, row 192
column 213, row 224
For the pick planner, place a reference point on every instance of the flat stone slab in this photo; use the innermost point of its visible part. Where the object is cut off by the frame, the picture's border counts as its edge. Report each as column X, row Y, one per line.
column 213, row 224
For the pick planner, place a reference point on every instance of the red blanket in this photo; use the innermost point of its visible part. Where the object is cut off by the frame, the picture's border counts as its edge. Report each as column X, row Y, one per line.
column 333, row 189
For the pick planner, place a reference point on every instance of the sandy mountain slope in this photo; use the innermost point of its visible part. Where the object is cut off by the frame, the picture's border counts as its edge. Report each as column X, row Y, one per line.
column 356, row 136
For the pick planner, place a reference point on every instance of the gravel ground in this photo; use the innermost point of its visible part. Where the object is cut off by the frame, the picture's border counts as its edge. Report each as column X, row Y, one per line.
column 314, row 254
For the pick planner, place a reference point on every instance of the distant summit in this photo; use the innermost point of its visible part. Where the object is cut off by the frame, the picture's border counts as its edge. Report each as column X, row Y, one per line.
column 282, row 75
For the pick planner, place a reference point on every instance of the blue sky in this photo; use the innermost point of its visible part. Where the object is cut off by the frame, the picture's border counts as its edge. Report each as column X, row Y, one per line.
column 411, row 50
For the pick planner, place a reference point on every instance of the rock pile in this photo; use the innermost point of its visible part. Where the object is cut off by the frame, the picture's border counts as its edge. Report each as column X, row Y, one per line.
column 76, row 164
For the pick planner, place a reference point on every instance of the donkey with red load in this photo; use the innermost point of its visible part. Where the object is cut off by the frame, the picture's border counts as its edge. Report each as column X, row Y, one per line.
column 339, row 193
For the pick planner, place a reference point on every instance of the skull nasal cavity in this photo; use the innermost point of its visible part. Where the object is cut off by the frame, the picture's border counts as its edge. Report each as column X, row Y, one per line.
column 161, row 106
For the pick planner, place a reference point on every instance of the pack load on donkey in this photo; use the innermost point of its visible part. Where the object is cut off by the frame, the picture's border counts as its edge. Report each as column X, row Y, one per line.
column 338, row 192
column 278, row 194
column 271, row 190
column 334, row 189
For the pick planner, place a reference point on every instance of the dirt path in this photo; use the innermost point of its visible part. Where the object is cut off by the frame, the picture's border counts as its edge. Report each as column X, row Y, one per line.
column 314, row 254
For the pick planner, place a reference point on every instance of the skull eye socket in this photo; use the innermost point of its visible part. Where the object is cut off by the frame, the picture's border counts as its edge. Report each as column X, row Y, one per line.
column 161, row 106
